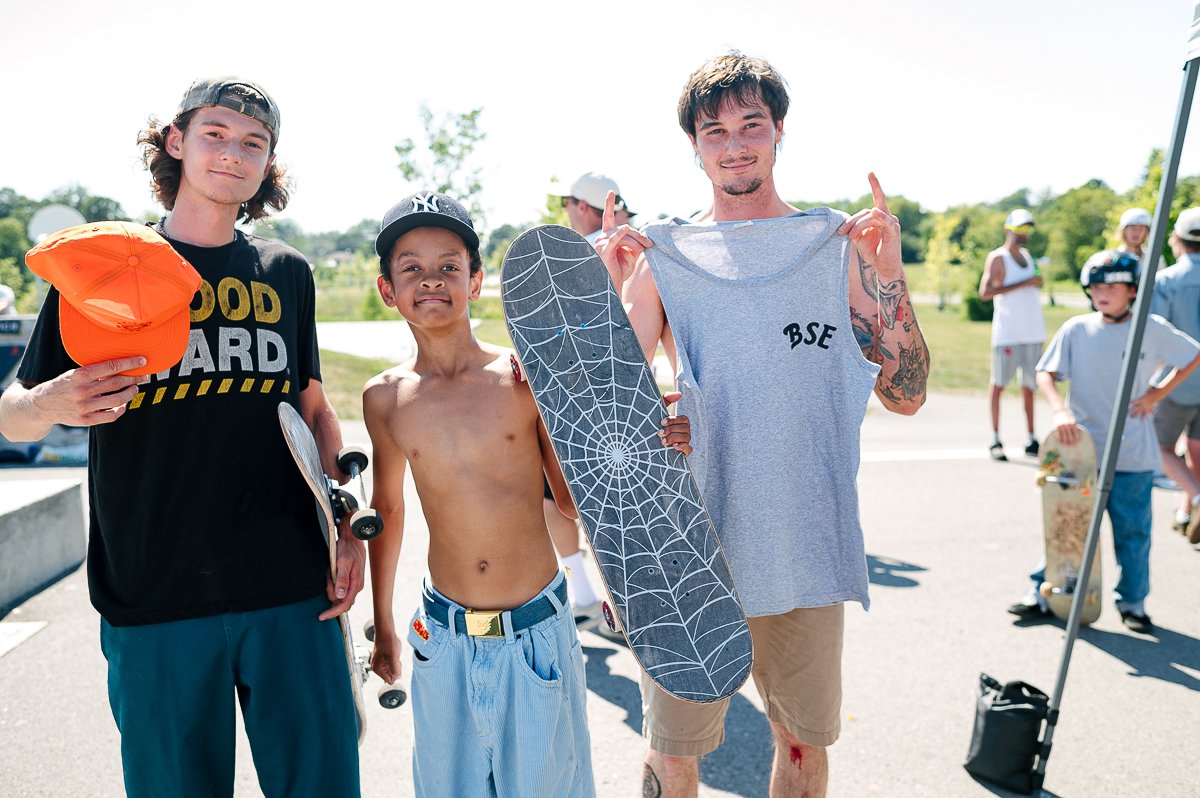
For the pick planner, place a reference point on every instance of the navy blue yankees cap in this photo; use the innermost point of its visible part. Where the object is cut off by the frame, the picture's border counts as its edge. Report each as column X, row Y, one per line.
column 425, row 209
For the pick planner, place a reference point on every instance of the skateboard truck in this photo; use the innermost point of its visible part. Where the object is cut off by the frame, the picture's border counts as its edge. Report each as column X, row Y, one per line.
column 365, row 522
column 1065, row 481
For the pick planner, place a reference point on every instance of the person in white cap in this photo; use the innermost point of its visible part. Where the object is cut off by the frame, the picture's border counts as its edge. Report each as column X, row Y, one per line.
column 583, row 201
column 1133, row 230
column 1177, row 299
column 1011, row 281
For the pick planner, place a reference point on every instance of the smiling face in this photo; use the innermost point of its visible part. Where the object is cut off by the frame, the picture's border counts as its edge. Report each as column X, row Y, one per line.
column 430, row 277
column 225, row 156
column 737, row 147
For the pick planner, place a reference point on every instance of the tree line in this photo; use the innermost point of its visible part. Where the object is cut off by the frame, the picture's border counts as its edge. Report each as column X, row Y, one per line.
column 952, row 244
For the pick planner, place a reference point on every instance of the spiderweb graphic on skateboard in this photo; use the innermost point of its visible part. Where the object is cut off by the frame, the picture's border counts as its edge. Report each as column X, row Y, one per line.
column 654, row 542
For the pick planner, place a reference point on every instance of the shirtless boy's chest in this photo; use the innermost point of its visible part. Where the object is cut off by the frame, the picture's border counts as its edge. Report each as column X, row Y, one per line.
column 476, row 421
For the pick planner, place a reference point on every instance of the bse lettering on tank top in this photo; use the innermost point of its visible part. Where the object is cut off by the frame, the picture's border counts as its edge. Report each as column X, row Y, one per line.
column 814, row 332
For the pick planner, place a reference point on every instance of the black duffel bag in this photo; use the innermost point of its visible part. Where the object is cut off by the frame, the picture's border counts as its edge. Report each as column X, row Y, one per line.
column 1006, row 739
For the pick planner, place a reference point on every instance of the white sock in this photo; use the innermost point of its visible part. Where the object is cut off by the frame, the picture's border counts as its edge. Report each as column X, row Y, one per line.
column 578, row 584
column 1031, row 439
column 995, row 438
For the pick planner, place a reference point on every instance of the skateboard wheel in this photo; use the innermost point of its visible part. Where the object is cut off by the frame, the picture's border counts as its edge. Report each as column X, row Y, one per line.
column 369, row 630
column 1041, row 480
column 366, row 524
column 1046, row 589
column 351, row 457
column 346, row 500
column 391, row 696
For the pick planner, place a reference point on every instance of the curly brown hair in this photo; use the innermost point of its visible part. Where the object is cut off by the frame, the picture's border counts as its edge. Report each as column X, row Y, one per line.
column 736, row 77
column 165, row 170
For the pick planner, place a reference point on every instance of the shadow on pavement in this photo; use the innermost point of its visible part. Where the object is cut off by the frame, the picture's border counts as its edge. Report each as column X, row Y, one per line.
column 617, row 690
column 1003, row 793
column 741, row 765
column 887, row 571
column 1160, row 655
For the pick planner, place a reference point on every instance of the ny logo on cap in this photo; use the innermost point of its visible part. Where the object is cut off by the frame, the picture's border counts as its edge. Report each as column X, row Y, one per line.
column 426, row 202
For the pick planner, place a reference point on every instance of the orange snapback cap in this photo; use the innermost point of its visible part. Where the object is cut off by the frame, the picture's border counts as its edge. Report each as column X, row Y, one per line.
column 124, row 291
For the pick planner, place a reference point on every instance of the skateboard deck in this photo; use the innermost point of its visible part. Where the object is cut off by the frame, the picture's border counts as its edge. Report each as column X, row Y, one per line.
column 303, row 447
column 1068, row 482
column 652, row 538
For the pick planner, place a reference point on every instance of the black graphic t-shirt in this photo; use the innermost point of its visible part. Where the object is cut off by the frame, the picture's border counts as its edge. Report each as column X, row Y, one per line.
column 196, row 506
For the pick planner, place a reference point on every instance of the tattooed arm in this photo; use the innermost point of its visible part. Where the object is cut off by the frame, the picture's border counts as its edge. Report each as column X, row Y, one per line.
column 881, row 309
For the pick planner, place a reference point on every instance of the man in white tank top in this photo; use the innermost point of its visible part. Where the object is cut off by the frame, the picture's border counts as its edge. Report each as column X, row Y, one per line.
column 732, row 111
column 1011, row 281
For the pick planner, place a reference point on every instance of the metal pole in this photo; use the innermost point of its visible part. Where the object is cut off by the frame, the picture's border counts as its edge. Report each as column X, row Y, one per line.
column 1116, row 424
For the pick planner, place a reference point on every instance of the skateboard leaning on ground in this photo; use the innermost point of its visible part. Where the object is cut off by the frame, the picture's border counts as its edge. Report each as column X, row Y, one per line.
column 1068, row 481
column 333, row 503
column 655, row 545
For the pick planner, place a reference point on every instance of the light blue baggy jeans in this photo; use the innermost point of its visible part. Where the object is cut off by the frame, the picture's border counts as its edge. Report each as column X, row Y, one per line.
column 503, row 716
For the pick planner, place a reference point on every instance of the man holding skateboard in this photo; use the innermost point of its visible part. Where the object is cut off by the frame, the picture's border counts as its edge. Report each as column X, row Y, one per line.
column 209, row 586
column 814, row 313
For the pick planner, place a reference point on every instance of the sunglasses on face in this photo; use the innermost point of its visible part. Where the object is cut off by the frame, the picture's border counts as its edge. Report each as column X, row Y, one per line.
column 1022, row 229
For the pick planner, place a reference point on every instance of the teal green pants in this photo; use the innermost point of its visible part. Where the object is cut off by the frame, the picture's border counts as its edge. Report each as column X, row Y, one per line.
column 172, row 687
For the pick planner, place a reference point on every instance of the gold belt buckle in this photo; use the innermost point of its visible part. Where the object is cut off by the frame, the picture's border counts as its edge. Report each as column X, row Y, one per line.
column 484, row 624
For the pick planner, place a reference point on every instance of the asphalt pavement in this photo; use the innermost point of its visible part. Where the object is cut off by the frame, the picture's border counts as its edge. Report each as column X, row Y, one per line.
column 950, row 538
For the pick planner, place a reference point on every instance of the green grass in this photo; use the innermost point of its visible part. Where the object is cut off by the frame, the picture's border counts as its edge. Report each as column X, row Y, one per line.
column 343, row 377
column 960, row 351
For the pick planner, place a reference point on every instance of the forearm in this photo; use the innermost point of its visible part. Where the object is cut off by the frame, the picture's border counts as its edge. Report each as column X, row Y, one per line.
column 1174, row 378
column 992, row 291
column 322, row 419
column 20, row 417
column 894, row 340
column 384, row 554
column 1048, row 384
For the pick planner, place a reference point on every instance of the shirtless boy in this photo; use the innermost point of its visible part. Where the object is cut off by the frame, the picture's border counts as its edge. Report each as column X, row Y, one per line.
column 498, row 674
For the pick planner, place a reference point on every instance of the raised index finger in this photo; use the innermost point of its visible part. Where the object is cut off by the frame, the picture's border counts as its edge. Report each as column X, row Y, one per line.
column 609, row 220
column 877, row 193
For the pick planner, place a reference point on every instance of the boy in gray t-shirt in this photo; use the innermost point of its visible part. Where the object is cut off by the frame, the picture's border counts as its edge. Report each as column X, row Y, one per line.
column 1088, row 350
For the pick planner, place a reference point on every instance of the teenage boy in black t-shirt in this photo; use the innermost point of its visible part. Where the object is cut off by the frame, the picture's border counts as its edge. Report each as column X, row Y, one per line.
column 205, row 560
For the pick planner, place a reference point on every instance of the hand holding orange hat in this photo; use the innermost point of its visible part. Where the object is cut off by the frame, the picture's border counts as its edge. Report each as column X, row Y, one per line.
column 124, row 291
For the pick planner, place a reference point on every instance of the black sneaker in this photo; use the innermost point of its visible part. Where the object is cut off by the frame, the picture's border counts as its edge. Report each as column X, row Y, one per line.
column 1137, row 621
column 997, row 452
column 1028, row 612
column 1032, row 449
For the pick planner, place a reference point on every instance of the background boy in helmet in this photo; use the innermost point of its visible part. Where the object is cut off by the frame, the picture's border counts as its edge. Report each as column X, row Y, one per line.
column 1087, row 350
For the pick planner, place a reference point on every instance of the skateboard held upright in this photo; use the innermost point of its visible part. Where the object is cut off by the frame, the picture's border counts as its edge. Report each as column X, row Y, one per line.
column 653, row 540
column 332, row 503
column 1068, row 482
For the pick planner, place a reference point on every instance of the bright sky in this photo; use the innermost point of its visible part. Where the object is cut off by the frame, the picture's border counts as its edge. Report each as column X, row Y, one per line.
column 948, row 101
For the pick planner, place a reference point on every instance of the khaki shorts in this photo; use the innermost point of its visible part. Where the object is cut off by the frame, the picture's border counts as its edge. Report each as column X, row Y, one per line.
column 1172, row 418
column 797, row 670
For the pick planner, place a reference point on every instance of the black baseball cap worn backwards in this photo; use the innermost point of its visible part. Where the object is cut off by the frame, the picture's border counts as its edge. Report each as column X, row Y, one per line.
column 244, row 96
column 425, row 209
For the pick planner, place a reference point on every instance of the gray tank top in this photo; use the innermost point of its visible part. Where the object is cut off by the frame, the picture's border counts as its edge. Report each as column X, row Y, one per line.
column 776, row 387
